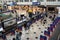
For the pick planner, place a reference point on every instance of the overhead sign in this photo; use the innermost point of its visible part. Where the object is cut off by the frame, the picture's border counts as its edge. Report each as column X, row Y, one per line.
column 13, row 3
column 35, row 3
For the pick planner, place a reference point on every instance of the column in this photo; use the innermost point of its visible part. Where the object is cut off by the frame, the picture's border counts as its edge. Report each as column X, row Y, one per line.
column 58, row 11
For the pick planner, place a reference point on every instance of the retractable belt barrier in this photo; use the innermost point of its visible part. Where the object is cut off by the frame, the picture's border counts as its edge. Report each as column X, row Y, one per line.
column 43, row 37
column 50, row 29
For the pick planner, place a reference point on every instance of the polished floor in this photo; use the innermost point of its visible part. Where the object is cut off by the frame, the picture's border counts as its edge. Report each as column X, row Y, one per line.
column 36, row 29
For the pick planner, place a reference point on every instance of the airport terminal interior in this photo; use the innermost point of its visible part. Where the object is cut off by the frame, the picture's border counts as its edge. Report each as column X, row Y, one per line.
column 29, row 19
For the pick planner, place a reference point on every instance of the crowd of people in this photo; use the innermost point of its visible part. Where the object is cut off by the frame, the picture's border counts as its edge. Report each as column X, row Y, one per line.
column 28, row 9
column 31, row 10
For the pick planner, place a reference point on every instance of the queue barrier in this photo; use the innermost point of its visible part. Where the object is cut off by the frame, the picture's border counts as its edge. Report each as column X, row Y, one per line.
column 12, row 31
column 47, row 33
column 37, row 18
column 30, row 22
column 33, row 20
column 52, row 25
column 50, row 29
column 56, row 20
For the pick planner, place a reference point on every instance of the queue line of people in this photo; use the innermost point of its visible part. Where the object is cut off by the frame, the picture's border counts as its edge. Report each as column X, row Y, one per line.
column 31, row 12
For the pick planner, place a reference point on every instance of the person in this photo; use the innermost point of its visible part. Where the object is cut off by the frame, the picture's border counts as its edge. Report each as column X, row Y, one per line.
column 2, row 23
column 4, row 36
column 17, row 38
column 17, row 35
column 28, row 25
column 37, row 12
column 42, row 19
column 13, row 32
column 12, row 11
column 13, row 38
column 46, row 14
column 23, row 17
column 25, row 26
column 30, row 12
column 53, row 17
column 20, row 34
column 44, row 22
column 50, row 17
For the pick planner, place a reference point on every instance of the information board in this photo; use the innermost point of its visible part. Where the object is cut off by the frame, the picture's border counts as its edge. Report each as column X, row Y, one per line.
column 13, row 3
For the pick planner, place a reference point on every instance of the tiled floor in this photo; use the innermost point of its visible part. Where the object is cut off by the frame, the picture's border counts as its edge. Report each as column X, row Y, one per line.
column 36, row 29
